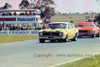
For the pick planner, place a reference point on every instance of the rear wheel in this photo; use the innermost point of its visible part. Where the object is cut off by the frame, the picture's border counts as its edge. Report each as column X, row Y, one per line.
column 41, row 40
column 98, row 35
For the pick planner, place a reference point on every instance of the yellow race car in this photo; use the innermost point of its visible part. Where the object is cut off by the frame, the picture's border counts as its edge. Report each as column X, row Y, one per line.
column 61, row 31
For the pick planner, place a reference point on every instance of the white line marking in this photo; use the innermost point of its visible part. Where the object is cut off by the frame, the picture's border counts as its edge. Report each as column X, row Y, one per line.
column 72, row 60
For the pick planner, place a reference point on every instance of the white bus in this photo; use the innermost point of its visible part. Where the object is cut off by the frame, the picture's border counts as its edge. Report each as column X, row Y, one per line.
column 31, row 17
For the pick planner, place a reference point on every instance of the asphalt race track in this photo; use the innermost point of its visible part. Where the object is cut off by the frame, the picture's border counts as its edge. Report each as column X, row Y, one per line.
column 34, row 54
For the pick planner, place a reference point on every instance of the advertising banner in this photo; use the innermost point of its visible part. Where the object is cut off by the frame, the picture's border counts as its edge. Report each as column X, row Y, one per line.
column 19, row 33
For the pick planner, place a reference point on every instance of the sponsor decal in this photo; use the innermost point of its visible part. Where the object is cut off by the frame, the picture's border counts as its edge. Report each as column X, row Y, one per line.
column 7, row 19
column 18, row 19
column 25, row 19
column 33, row 33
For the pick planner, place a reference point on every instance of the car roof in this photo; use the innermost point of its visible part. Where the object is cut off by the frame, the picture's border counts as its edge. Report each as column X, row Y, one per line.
column 60, row 22
column 85, row 23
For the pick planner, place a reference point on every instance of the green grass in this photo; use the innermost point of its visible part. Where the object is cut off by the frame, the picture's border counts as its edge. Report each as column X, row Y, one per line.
column 87, row 62
column 8, row 39
column 75, row 17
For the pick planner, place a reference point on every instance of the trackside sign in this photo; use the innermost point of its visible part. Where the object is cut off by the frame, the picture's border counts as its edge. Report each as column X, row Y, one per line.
column 25, row 19
column 20, row 33
column 18, row 18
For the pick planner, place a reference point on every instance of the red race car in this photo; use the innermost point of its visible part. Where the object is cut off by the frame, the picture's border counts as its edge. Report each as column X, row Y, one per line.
column 88, row 29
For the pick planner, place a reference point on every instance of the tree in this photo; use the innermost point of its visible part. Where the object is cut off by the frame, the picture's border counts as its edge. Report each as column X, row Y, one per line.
column 77, row 13
column 6, row 6
column 86, row 13
column 97, row 18
column 45, row 6
column 24, row 4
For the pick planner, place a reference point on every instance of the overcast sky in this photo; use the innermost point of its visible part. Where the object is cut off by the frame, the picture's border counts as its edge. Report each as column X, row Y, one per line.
column 66, row 6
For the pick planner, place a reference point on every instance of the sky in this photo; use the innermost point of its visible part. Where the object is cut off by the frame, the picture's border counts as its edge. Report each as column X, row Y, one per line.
column 66, row 6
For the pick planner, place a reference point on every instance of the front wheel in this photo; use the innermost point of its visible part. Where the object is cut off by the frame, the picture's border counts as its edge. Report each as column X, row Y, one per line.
column 93, row 35
column 41, row 40
column 66, row 39
column 75, row 38
column 52, row 40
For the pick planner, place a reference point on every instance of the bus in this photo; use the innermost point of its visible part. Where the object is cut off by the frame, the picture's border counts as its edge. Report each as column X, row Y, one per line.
column 20, row 17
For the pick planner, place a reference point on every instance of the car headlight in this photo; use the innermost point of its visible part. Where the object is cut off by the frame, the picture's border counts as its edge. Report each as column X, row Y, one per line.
column 41, row 34
column 90, row 31
column 60, row 33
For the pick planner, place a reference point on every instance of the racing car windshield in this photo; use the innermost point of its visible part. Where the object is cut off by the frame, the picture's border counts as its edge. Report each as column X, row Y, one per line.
column 56, row 26
column 85, row 26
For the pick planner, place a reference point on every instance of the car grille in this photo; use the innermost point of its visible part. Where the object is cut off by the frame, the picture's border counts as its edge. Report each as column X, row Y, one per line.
column 51, row 34
column 83, row 31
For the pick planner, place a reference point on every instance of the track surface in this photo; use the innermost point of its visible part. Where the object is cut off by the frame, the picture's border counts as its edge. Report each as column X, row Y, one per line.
column 34, row 54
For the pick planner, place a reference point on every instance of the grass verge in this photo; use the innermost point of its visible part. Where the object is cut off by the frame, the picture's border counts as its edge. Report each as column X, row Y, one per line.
column 87, row 62
column 8, row 39
column 76, row 18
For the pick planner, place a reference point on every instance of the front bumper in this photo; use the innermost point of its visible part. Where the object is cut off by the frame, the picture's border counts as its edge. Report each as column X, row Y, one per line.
column 50, row 37
column 85, row 34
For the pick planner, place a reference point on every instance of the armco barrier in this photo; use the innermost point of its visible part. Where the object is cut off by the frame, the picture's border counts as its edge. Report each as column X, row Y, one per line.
column 19, row 33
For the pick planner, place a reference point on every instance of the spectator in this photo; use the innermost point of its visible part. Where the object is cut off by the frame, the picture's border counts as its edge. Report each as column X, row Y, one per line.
column 44, row 26
column 0, row 27
column 34, row 13
column 24, row 27
column 10, row 14
column 30, row 13
column 11, row 27
column 3, row 14
column 19, row 27
column 21, row 14
column 30, row 28
column 14, row 14
column 25, row 13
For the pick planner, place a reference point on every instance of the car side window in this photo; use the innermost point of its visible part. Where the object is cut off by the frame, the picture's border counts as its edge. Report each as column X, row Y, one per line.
column 95, row 25
column 68, row 26
column 71, row 27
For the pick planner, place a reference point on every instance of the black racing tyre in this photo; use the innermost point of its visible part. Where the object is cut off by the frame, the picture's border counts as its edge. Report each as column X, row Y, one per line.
column 98, row 35
column 60, row 40
column 41, row 40
column 75, row 38
column 52, row 40
column 93, row 35
column 66, row 39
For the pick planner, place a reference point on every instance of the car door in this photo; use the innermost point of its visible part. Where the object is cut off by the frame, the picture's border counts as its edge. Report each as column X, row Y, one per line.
column 73, row 30
column 70, row 33
column 96, row 29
